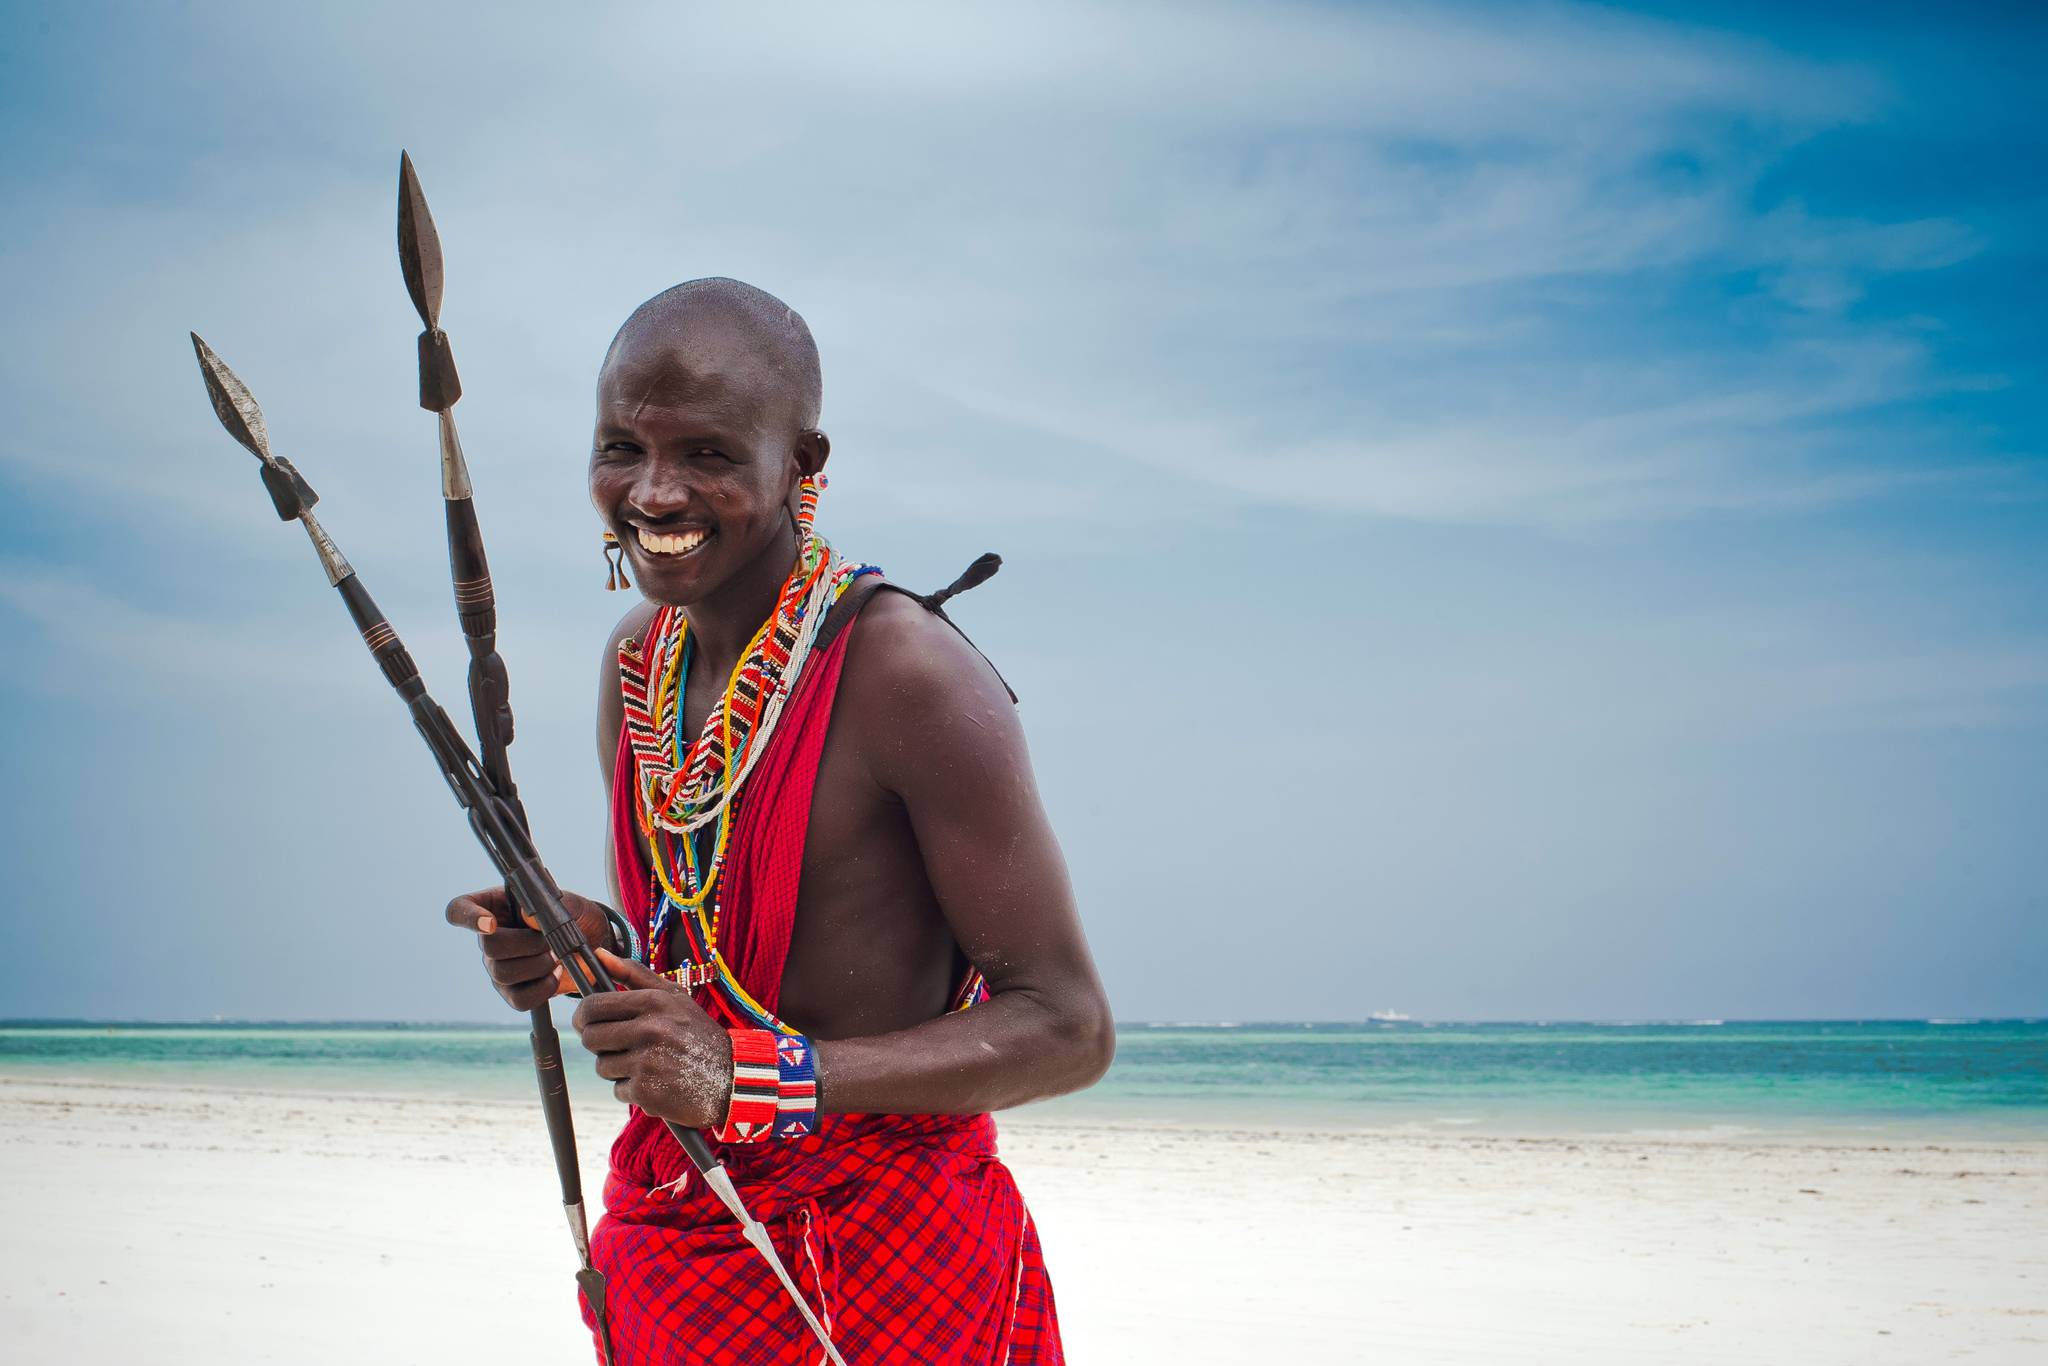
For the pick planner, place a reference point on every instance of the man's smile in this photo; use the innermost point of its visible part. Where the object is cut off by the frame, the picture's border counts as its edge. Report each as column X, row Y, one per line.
column 672, row 543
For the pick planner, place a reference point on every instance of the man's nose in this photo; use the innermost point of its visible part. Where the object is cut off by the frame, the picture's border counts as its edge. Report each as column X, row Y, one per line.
column 661, row 490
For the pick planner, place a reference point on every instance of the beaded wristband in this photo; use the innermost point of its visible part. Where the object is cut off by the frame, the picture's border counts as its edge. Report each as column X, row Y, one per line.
column 796, row 1102
column 750, row 1117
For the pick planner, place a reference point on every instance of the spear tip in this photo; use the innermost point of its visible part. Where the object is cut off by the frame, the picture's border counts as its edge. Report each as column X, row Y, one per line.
column 233, row 404
column 419, row 246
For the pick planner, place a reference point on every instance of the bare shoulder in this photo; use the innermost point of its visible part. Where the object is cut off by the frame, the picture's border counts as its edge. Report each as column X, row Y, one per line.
column 903, row 648
column 921, row 692
column 610, row 712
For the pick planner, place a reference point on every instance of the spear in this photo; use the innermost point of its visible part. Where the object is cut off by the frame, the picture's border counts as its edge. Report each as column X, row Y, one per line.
column 476, row 607
column 493, row 817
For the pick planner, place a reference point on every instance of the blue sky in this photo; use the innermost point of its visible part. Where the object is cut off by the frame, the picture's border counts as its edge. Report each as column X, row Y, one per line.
column 1510, row 511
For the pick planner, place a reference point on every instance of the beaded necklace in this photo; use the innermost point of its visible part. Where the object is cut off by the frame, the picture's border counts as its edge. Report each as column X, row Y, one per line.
column 684, row 795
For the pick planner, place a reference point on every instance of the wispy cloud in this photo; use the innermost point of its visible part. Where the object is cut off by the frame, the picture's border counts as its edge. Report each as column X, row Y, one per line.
column 1596, row 439
column 1400, row 260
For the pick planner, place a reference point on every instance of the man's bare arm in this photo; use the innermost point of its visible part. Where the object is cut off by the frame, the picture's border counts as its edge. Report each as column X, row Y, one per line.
column 943, row 738
column 942, row 735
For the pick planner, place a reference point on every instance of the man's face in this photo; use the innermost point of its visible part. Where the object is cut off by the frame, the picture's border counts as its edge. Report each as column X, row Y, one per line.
column 694, row 461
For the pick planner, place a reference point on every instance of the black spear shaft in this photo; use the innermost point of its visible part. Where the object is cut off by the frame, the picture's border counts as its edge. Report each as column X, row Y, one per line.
column 476, row 607
column 492, row 818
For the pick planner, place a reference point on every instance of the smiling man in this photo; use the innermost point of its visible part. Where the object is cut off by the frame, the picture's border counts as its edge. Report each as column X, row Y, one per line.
column 846, row 925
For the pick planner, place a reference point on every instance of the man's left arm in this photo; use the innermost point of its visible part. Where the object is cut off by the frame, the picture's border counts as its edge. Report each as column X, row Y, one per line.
column 942, row 735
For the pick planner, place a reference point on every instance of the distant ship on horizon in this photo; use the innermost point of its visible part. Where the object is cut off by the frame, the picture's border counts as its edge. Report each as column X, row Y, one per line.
column 1389, row 1015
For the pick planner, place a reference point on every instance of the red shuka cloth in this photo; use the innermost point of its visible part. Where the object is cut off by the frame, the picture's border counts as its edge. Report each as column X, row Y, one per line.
column 906, row 1234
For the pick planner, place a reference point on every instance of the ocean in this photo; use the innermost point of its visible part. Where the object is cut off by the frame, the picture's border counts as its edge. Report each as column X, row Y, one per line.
column 1880, row 1080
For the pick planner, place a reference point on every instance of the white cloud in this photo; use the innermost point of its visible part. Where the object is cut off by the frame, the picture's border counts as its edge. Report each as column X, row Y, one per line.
column 1170, row 234
column 1197, row 312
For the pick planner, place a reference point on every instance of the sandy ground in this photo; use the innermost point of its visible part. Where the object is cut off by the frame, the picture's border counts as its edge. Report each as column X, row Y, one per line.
column 166, row 1225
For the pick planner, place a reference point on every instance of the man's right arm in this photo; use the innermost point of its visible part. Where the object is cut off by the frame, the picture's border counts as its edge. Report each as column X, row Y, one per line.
column 517, row 958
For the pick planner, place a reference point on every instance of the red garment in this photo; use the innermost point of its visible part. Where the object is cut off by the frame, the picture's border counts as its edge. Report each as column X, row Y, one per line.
column 905, row 1232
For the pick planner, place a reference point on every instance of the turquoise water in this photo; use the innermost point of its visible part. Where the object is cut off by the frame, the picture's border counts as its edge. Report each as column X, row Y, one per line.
column 1890, row 1079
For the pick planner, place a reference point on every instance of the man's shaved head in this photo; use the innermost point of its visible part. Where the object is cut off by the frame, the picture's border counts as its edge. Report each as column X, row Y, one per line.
column 707, row 425
column 718, row 320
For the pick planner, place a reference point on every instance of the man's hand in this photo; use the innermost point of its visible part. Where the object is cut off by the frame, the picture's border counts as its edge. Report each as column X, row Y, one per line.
column 519, row 961
column 657, row 1047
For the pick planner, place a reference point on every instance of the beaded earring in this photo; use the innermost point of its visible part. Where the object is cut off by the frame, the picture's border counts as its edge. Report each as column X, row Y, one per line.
column 615, row 564
column 807, row 490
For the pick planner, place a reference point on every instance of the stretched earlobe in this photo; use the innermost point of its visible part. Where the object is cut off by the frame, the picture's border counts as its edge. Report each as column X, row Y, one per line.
column 615, row 564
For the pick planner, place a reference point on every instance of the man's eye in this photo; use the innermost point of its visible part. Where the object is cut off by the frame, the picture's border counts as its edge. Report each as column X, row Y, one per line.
column 706, row 450
column 618, row 448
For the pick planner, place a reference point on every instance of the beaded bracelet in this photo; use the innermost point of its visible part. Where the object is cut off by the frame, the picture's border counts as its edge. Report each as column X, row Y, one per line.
column 774, row 1087
column 750, row 1116
column 796, row 1101
column 623, row 935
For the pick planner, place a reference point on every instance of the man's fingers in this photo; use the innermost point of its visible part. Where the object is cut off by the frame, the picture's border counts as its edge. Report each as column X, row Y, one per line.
column 510, row 943
column 606, row 1005
column 470, row 910
column 464, row 913
column 613, row 1036
column 529, row 996
column 633, row 975
column 517, row 972
column 516, row 958
column 607, row 1043
column 614, row 1005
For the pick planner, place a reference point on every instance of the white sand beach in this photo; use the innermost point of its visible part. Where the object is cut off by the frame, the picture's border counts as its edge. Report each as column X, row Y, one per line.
column 177, row 1226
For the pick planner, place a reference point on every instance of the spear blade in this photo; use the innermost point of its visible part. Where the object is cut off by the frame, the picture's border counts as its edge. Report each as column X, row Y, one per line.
column 289, row 492
column 419, row 258
column 233, row 404
column 419, row 246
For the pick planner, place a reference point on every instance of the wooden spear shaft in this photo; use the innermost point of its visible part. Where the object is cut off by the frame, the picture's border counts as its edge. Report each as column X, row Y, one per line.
column 476, row 608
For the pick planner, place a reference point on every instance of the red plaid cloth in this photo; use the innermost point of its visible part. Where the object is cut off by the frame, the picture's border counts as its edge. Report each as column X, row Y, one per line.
column 905, row 1233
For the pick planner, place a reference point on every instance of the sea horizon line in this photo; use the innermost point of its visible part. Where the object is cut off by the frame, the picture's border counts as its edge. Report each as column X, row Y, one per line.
column 519, row 1025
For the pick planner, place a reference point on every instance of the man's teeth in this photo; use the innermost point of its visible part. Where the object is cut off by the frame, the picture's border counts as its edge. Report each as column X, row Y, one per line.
column 679, row 544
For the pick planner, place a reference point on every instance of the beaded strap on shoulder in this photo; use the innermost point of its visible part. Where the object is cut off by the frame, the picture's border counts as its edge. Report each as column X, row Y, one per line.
column 635, row 693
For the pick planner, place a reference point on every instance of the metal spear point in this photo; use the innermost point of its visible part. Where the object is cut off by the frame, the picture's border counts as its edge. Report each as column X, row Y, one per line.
column 233, row 404
column 419, row 246
column 419, row 257
column 293, row 497
column 756, row 1233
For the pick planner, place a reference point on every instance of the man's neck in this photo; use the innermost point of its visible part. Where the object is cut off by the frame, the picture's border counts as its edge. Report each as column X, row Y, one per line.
column 724, row 621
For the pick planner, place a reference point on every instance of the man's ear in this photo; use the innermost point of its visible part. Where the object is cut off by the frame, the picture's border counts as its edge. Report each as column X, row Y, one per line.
column 813, row 448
